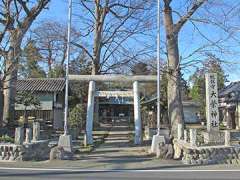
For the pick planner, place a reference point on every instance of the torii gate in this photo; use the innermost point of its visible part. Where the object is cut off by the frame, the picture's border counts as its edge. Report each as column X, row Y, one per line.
column 114, row 78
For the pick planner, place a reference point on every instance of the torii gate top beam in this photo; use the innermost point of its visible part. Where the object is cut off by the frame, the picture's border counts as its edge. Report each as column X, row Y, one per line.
column 114, row 78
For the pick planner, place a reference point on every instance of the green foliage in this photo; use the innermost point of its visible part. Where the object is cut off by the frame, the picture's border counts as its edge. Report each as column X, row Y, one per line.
column 197, row 92
column 27, row 99
column 57, row 71
column 6, row 139
column 79, row 90
column 77, row 116
column 29, row 67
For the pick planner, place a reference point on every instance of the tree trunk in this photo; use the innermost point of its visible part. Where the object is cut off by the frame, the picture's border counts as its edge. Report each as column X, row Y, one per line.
column 10, row 80
column 9, row 93
column 175, row 109
column 100, row 14
column 97, row 39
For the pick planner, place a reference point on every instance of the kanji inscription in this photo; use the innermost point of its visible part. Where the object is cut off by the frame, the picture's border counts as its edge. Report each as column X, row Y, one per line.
column 212, row 112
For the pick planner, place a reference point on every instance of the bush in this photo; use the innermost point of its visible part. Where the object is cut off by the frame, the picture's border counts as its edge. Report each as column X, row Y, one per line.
column 77, row 116
column 6, row 138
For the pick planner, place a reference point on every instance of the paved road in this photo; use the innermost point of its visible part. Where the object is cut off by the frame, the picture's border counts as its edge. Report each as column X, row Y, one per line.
column 105, row 175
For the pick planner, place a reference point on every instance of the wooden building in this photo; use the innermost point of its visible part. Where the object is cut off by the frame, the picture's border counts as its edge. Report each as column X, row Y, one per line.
column 229, row 105
column 191, row 110
column 50, row 92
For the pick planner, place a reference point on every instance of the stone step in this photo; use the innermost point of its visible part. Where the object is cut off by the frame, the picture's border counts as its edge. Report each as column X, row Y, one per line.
column 120, row 132
column 117, row 141
column 116, row 138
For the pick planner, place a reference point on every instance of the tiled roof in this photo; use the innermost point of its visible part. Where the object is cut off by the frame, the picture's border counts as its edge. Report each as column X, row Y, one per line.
column 232, row 87
column 41, row 84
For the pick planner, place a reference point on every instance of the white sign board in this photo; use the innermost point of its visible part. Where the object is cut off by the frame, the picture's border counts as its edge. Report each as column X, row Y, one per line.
column 114, row 94
column 212, row 112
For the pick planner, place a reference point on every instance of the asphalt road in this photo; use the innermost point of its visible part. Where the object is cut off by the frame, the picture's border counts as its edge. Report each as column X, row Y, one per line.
column 11, row 174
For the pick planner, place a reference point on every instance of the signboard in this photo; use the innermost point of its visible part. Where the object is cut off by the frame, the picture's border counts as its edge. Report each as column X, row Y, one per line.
column 114, row 94
column 212, row 112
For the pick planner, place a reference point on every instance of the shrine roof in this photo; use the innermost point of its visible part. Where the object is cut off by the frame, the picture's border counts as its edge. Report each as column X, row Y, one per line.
column 41, row 84
column 232, row 87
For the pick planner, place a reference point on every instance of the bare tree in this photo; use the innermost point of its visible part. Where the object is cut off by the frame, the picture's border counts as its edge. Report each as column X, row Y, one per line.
column 175, row 109
column 16, row 16
column 110, row 25
column 51, row 40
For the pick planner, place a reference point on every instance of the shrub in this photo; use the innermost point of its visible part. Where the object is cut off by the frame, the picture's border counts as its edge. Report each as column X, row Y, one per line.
column 77, row 116
column 6, row 138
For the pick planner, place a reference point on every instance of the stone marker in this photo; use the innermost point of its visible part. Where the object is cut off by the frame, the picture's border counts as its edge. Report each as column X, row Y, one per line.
column 212, row 113
column 36, row 131
column 28, row 137
column 227, row 138
column 19, row 136
column 193, row 137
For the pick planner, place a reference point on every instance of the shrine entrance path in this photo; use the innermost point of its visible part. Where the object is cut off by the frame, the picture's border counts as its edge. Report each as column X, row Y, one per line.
column 118, row 148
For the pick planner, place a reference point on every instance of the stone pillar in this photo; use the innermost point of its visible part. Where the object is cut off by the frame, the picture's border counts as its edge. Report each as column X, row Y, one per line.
column 180, row 131
column 36, row 131
column 193, row 137
column 229, row 119
column 19, row 134
column 90, row 111
column 28, row 137
column 185, row 135
column 137, row 114
column 227, row 138
column 237, row 117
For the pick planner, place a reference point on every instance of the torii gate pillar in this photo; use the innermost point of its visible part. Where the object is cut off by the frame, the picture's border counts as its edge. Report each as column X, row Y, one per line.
column 90, row 112
column 137, row 114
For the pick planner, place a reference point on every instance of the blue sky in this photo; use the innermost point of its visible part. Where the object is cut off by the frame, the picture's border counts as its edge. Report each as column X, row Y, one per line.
column 189, row 38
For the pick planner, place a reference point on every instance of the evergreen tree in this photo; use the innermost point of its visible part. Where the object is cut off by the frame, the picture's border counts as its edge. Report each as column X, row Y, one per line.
column 211, row 65
column 30, row 67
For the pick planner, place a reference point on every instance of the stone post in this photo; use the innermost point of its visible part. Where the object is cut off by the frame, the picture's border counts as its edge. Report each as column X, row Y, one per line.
column 180, row 131
column 28, row 137
column 227, row 138
column 36, row 131
column 229, row 119
column 137, row 114
column 90, row 111
column 185, row 135
column 193, row 137
column 19, row 134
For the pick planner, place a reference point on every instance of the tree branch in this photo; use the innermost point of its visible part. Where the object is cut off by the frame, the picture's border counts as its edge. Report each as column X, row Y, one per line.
column 185, row 18
column 83, row 48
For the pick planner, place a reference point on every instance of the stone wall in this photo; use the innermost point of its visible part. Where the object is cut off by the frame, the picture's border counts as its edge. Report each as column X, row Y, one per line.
column 31, row 149
column 38, row 150
column 10, row 152
column 206, row 154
